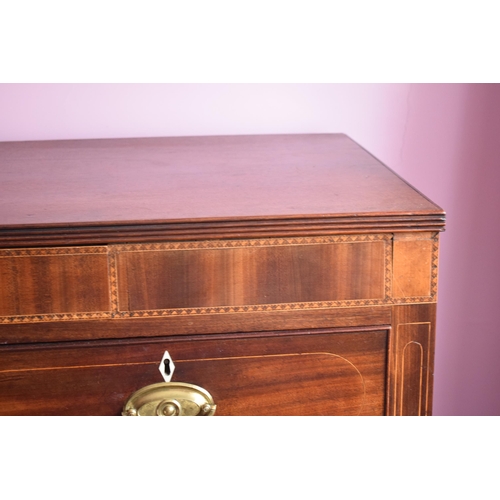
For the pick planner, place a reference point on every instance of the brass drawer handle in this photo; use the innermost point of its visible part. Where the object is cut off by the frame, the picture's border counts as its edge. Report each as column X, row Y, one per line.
column 169, row 399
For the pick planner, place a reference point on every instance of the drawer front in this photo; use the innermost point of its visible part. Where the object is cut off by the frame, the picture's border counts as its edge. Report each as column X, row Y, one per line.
column 287, row 373
column 252, row 273
column 216, row 277
column 205, row 277
column 54, row 281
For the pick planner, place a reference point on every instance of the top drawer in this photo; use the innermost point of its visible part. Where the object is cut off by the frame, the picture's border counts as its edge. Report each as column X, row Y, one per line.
column 250, row 272
column 216, row 277
column 54, row 281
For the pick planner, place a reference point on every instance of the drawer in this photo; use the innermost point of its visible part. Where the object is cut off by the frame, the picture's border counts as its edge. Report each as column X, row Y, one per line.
column 207, row 277
column 60, row 282
column 315, row 372
column 251, row 272
column 216, row 277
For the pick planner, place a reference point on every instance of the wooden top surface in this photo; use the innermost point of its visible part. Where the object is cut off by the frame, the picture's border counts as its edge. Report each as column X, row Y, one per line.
column 80, row 183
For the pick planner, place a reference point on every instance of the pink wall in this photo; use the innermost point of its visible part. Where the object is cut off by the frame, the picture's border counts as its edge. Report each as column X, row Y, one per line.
column 443, row 138
column 451, row 152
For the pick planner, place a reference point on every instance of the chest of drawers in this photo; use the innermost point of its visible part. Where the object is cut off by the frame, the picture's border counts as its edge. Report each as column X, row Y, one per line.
column 286, row 275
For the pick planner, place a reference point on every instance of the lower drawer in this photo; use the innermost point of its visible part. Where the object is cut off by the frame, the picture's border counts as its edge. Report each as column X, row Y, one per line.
column 307, row 372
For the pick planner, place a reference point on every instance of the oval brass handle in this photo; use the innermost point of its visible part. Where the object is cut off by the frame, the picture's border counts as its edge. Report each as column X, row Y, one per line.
column 168, row 399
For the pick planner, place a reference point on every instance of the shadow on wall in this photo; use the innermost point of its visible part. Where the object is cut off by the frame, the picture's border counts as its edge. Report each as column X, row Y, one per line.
column 453, row 147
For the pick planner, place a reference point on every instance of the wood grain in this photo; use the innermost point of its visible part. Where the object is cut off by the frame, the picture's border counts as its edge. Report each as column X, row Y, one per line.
column 288, row 373
column 149, row 280
column 412, row 265
column 223, row 187
column 49, row 282
column 57, row 331
column 411, row 360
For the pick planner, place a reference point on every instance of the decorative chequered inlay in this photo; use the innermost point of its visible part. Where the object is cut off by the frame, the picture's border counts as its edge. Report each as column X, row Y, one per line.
column 113, row 250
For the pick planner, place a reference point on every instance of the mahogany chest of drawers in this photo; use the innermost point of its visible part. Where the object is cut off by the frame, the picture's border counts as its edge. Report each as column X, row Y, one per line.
column 285, row 275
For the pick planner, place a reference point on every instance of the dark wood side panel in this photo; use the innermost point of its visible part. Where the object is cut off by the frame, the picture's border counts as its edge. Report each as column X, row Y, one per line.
column 288, row 373
column 149, row 280
column 412, row 264
column 46, row 282
column 411, row 360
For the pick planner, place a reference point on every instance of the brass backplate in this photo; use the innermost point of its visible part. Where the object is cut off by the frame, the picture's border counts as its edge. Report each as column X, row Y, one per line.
column 170, row 399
